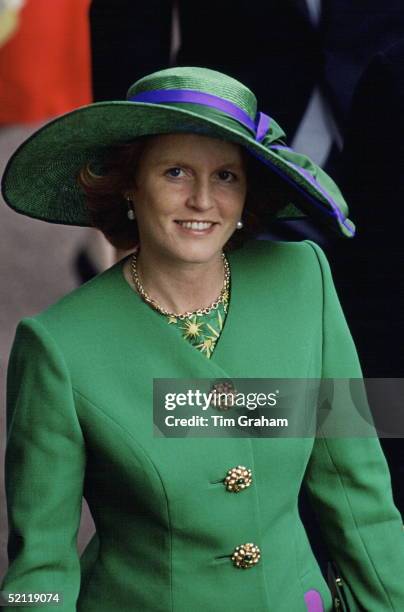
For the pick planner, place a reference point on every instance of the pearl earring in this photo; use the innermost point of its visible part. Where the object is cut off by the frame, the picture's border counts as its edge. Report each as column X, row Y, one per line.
column 239, row 224
column 131, row 212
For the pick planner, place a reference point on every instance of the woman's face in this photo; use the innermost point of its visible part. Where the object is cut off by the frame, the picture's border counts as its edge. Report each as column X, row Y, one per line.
column 189, row 194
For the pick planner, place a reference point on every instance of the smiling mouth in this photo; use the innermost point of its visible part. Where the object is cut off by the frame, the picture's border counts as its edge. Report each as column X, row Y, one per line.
column 196, row 225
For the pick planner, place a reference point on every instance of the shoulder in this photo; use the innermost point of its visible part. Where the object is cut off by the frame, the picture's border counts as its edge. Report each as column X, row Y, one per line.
column 304, row 257
column 93, row 296
column 80, row 313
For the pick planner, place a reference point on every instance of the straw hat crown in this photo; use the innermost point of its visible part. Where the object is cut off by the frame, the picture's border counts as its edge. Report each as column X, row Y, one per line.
column 202, row 79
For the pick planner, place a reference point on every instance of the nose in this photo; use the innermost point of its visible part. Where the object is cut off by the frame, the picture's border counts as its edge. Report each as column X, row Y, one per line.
column 201, row 197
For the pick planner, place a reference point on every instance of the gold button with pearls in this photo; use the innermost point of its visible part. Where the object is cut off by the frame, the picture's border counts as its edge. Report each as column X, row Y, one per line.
column 223, row 394
column 238, row 478
column 246, row 555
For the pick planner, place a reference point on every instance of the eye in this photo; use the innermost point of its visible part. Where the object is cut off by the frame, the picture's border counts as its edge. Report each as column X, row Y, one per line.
column 174, row 172
column 226, row 176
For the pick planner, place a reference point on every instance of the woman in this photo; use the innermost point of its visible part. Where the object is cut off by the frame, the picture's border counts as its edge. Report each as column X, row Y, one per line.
column 177, row 519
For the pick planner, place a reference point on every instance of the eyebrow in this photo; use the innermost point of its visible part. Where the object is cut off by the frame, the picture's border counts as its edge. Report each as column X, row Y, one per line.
column 175, row 161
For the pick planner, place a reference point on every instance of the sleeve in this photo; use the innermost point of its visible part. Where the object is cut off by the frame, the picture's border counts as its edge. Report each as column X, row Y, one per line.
column 348, row 484
column 44, row 470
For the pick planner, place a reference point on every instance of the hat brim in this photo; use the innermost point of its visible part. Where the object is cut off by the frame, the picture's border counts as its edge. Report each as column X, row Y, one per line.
column 40, row 179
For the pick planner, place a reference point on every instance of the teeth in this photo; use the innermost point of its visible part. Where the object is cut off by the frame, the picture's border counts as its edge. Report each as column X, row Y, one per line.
column 195, row 225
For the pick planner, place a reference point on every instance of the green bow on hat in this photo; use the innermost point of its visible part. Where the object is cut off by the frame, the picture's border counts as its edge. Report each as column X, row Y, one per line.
column 40, row 179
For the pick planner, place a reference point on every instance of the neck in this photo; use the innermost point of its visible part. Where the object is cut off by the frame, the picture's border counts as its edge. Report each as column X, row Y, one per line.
column 180, row 286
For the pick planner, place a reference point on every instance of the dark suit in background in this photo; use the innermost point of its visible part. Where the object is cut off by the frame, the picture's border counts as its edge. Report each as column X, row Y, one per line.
column 370, row 270
column 372, row 177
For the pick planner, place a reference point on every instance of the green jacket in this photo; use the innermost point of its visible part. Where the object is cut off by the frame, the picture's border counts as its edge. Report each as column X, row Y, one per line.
column 80, row 422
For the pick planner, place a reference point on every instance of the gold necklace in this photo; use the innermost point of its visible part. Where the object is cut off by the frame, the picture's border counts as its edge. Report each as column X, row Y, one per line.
column 223, row 297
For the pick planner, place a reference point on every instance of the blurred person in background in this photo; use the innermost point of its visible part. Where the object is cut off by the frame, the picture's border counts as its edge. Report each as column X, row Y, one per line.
column 44, row 72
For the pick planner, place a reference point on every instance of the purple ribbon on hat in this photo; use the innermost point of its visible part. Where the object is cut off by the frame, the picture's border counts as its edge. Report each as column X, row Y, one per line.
column 159, row 96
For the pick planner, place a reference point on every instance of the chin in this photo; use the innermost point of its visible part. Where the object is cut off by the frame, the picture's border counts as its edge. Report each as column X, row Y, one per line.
column 198, row 253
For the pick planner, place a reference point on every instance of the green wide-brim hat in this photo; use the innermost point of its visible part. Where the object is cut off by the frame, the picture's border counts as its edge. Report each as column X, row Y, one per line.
column 40, row 179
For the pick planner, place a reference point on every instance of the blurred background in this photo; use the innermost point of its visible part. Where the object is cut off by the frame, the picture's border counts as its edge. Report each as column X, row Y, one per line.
column 331, row 72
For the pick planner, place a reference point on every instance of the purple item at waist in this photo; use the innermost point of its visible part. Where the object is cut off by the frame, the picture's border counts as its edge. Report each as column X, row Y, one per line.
column 313, row 601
